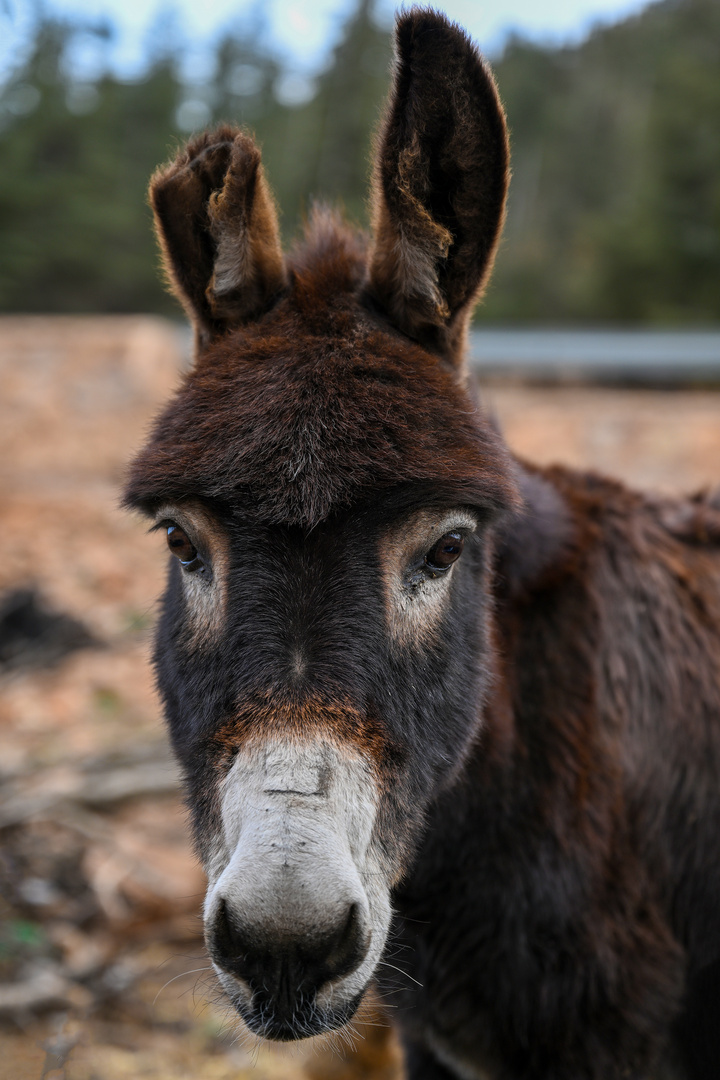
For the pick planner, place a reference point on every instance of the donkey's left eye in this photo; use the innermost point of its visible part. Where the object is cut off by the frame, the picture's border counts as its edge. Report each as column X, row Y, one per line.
column 445, row 552
column 183, row 548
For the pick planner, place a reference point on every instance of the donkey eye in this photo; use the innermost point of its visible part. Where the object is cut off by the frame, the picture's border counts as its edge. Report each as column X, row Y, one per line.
column 183, row 548
column 445, row 552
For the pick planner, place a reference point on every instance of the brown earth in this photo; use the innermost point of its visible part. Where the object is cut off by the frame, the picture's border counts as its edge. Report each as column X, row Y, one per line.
column 102, row 969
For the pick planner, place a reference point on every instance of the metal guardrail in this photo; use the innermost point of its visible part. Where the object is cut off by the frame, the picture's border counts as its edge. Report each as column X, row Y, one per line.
column 627, row 356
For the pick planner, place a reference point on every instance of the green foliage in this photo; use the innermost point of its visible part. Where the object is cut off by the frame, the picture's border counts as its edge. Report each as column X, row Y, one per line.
column 614, row 209
column 75, row 226
column 20, row 940
column 615, row 201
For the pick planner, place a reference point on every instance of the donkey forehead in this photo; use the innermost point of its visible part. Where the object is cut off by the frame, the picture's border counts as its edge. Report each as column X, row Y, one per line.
column 291, row 424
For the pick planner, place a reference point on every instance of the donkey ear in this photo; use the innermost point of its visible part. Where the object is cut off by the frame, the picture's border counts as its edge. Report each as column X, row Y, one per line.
column 439, row 185
column 217, row 225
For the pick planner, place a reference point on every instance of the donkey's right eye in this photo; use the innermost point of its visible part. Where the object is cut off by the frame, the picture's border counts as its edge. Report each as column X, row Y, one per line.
column 183, row 548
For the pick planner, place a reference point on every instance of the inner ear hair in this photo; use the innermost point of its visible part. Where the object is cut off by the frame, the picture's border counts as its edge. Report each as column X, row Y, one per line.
column 440, row 183
column 218, row 230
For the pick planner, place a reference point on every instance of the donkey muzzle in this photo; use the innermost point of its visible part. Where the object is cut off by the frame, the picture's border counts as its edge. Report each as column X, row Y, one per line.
column 286, row 975
column 296, row 919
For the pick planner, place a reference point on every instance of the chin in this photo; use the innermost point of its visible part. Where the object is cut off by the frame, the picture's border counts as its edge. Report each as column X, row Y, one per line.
column 286, row 1023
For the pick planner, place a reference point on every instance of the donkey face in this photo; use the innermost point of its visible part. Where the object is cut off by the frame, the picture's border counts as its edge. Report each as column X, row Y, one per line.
column 328, row 487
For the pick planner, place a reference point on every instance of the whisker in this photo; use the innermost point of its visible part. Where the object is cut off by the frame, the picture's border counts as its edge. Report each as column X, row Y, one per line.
column 386, row 963
column 175, row 977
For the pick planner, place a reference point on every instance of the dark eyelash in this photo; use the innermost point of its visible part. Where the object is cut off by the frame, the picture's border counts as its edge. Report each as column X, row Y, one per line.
column 164, row 524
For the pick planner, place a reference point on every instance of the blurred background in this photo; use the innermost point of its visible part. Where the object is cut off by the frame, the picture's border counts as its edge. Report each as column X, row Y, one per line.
column 614, row 212
column 598, row 344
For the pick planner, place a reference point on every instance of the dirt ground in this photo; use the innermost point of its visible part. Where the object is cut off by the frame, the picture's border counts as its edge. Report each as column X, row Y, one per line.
column 102, row 970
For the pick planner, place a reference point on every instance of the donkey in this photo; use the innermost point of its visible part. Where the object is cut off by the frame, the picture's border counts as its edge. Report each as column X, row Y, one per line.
column 449, row 723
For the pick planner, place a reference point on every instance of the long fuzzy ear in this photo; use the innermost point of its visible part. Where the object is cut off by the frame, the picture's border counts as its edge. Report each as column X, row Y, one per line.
column 217, row 225
column 440, row 182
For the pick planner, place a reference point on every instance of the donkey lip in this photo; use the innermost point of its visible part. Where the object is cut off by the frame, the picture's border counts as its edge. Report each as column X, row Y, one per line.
column 303, row 1022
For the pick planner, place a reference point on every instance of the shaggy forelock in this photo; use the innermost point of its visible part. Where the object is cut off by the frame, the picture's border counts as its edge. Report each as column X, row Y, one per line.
column 316, row 405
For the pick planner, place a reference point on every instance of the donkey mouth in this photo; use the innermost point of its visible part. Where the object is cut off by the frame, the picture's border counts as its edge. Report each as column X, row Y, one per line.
column 292, row 988
column 292, row 1019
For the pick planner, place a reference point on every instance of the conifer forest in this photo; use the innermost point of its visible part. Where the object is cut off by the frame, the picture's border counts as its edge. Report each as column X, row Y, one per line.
column 614, row 212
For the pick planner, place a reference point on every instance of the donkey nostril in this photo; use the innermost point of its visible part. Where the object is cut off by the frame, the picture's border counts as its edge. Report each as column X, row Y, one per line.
column 288, row 966
column 347, row 948
column 228, row 943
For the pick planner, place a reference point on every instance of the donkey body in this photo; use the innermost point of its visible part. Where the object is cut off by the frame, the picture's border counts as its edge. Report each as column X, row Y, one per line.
column 424, row 694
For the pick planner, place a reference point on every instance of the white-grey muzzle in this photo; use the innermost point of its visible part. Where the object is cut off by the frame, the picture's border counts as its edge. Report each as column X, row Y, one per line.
column 298, row 906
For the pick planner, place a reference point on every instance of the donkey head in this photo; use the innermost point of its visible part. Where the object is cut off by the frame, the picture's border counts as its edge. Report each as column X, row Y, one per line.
column 328, row 486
